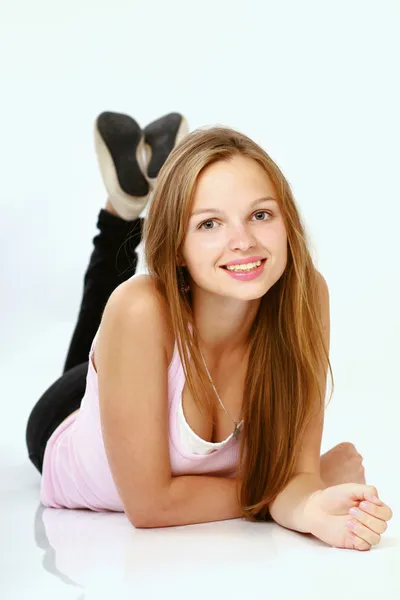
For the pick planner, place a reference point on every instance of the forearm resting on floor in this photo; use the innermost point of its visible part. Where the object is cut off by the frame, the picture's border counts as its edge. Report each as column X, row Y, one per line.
column 288, row 507
column 194, row 499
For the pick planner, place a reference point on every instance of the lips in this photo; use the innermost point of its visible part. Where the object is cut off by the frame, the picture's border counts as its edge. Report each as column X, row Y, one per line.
column 224, row 266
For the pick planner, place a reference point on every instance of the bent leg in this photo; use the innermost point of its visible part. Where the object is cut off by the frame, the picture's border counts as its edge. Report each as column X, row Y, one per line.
column 126, row 176
column 112, row 262
column 62, row 398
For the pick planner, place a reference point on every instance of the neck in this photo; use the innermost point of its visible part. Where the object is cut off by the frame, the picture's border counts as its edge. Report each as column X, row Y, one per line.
column 224, row 337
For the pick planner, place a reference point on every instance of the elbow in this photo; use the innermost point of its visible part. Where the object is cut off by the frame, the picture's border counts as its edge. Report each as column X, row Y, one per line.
column 140, row 524
column 149, row 512
column 145, row 519
column 145, row 523
column 141, row 520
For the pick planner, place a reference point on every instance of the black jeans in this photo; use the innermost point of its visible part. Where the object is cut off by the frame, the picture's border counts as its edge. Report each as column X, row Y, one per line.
column 112, row 262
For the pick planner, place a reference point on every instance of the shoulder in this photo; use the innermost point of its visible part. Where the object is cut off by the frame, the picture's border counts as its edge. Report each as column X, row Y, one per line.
column 323, row 286
column 143, row 295
column 324, row 306
column 323, row 291
column 142, row 288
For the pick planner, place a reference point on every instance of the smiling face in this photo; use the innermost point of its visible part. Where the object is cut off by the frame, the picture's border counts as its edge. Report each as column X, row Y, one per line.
column 243, row 223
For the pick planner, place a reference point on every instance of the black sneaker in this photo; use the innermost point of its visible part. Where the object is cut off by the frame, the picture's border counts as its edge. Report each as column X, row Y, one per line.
column 119, row 143
column 160, row 137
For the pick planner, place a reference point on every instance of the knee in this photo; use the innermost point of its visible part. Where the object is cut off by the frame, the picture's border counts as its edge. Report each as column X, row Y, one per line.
column 36, row 461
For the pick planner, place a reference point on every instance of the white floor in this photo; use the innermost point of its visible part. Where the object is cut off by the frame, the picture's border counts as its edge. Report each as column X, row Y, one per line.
column 47, row 553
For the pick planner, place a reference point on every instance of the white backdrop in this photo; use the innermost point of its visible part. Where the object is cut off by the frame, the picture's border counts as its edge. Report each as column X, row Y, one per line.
column 315, row 83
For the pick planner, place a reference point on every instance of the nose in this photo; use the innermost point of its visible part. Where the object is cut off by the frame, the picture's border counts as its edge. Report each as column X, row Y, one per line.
column 241, row 238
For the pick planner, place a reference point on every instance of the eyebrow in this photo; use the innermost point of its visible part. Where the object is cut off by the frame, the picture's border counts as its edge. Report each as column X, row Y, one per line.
column 217, row 210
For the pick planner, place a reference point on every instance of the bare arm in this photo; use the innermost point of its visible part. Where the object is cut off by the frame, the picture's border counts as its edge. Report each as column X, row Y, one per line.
column 131, row 363
column 197, row 499
column 288, row 507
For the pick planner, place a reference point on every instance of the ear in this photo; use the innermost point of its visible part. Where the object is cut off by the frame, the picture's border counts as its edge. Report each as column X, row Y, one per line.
column 181, row 262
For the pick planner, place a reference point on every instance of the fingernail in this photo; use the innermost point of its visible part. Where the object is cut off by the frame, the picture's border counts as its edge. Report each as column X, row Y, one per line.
column 354, row 511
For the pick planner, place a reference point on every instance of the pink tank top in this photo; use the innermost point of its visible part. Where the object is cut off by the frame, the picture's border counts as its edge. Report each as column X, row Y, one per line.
column 76, row 473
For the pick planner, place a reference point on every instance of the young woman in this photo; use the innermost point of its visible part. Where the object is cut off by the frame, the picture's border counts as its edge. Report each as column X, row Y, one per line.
column 203, row 396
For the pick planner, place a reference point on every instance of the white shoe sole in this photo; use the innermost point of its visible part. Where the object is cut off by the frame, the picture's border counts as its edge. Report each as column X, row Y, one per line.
column 127, row 206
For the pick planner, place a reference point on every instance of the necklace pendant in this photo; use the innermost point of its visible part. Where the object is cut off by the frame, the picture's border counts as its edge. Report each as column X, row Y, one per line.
column 236, row 431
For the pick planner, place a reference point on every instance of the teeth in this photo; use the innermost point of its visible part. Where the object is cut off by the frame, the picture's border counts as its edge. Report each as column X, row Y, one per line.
column 247, row 267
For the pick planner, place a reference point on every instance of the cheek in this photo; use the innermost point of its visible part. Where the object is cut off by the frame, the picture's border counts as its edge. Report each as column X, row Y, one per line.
column 208, row 243
column 275, row 240
column 281, row 257
column 202, row 248
column 276, row 231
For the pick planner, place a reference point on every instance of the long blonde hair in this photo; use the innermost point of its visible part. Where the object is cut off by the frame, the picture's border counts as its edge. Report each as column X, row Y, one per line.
column 286, row 343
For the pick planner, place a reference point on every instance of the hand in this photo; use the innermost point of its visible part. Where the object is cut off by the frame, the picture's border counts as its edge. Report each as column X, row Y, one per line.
column 327, row 511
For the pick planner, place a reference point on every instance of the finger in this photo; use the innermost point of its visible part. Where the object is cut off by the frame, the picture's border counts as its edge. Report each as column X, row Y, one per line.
column 380, row 512
column 362, row 492
column 374, row 499
column 371, row 537
column 373, row 523
column 356, row 543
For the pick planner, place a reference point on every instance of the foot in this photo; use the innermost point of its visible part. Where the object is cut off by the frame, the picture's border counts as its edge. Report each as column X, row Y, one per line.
column 342, row 464
column 119, row 143
column 160, row 137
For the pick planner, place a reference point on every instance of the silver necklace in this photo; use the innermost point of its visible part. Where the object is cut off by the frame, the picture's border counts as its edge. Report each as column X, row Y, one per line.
column 236, row 431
